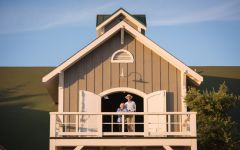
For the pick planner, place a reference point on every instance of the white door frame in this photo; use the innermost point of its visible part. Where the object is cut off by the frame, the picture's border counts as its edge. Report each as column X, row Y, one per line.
column 125, row 89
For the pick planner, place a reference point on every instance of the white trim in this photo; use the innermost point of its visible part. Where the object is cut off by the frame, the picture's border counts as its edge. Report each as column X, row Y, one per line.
column 167, row 147
column 79, row 147
column 154, row 47
column 119, row 89
column 129, row 17
column 122, row 61
column 60, row 91
column 122, row 36
column 183, row 91
column 127, row 142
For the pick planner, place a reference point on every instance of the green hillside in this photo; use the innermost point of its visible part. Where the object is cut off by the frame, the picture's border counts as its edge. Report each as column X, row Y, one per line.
column 24, row 103
column 24, row 107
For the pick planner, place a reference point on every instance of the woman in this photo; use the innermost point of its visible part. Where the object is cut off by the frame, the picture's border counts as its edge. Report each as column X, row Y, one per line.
column 121, row 108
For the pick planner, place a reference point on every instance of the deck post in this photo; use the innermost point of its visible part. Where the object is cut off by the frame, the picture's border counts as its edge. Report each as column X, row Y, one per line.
column 52, row 145
column 52, row 125
column 194, row 144
column 145, row 125
column 193, row 128
column 99, row 125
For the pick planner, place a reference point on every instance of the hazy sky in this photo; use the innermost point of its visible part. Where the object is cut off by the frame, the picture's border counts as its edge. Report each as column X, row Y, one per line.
column 47, row 32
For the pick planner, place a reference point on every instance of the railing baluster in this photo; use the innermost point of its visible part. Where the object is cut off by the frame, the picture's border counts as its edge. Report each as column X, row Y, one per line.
column 155, row 124
column 77, row 122
column 169, row 123
column 111, row 123
column 123, row 121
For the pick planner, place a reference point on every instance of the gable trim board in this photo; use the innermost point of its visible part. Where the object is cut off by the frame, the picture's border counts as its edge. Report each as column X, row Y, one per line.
column 150, row 44
column 126, row 14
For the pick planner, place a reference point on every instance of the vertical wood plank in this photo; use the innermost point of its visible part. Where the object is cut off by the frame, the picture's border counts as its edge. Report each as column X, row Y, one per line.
column 139, row 66
column 131, row 66
column 123, row 67
column 164, row 74
column 106, row 65
column 179, row 91
column 73, row 89
column 98, row 70
column 147, row 70
column 66, row 92
column 115, row 71
column 156, row 72
column 173, row 87
column 90, row 72
column 82, row 74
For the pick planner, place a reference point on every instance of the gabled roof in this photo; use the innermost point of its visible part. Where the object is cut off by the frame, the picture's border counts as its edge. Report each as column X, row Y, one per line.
column 103, row 17
column 153, row 46
column 138, row 19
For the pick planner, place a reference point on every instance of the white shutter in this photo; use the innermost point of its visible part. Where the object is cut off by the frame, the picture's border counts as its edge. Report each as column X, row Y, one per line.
column 155, row 124
column 90, row 102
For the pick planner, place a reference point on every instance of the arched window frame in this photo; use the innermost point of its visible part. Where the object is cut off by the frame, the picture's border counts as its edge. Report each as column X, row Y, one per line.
column 122, row 61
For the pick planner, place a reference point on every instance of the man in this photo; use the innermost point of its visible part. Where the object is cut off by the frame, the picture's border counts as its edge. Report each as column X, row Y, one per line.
column 121, row 108
column 131, row 107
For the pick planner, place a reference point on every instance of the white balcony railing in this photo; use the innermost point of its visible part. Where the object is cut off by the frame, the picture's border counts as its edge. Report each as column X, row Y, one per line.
column 82, row 124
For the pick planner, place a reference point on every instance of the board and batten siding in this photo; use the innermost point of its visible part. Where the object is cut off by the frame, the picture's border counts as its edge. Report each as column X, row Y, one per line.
column 148, row 73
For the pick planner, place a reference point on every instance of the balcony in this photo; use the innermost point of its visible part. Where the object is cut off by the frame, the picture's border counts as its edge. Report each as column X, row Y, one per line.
column 82, row 124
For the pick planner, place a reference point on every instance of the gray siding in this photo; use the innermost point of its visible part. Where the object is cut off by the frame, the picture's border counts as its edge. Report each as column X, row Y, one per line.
column 96, row 73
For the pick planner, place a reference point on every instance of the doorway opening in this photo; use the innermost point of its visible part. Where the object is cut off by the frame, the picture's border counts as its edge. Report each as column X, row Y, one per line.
column 111, row 102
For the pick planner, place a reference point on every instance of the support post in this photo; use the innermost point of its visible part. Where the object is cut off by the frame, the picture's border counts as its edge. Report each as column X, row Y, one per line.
column 146, row 132
column 193, row 128
column 122, row 35
column 52, row 125
column 194, row 144
column 60, row 91
column 52, row 145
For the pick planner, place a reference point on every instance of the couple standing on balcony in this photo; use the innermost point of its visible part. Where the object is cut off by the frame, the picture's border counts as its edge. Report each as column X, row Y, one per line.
column 129, row 106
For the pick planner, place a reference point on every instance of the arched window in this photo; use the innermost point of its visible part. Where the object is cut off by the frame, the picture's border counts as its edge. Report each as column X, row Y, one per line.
column 122, row 56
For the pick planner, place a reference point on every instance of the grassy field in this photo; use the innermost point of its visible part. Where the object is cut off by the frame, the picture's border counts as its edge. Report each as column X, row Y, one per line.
column 25, row 103
column 24, row 107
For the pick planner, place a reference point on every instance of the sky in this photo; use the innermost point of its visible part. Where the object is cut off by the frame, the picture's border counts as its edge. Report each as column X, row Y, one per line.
column 47, row 32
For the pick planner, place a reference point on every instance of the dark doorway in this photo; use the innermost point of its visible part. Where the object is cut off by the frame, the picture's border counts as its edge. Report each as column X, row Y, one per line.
column 111, row 102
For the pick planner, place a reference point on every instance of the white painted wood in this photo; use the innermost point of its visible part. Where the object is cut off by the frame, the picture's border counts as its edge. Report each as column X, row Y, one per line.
column 89, row 102
column 194, row 144
column 184, row 91
column 129, row 56
column 79, row 147
column 193, row 128
column 153, row 46
column 52, row 125
column 60, row 91
column 129, row 17
column 155, row 102
column 124, row 113
column 122, row 89
column 125, row 141
column 166, row 147
column 52, row 145
column 122, row 36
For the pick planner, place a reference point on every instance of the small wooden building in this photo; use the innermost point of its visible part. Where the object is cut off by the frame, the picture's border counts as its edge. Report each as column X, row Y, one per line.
column 89, row 86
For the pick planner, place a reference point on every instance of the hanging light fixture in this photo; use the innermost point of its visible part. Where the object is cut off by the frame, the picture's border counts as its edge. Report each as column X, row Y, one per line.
column 106, row 97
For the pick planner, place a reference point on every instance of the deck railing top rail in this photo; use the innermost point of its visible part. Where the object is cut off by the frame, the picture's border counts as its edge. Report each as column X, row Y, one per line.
column 147, row 124
column 124, row 113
